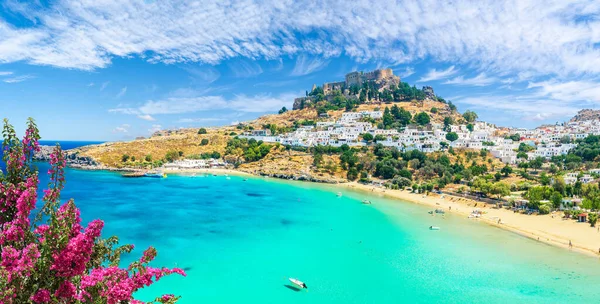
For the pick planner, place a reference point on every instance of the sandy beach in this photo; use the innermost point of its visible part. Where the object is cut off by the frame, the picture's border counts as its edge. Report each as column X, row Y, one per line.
column 549, row 229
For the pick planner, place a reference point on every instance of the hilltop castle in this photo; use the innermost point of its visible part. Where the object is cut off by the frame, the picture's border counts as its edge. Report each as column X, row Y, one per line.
column 379, row 76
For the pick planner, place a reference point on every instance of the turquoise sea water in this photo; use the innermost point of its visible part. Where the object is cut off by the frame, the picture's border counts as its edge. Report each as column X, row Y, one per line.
column 239, row 241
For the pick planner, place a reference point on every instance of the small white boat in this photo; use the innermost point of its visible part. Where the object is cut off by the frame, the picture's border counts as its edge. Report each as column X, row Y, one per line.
column 245, row 179
column 339, row 194
column 298, row 283
column 228, row 177
column 434, row 228
column 366, row 202
column 155, row 174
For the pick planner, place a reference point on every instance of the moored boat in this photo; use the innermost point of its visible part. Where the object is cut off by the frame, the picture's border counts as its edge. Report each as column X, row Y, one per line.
column 298, row 283
column 366, row 202
column 133, row 174
column 434, row 228
column 155, row 174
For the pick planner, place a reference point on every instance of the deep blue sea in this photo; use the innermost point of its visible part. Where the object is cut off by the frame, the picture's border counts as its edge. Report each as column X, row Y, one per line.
column 240, row 240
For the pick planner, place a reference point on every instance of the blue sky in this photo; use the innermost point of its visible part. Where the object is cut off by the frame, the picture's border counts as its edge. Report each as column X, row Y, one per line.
column 114, row 70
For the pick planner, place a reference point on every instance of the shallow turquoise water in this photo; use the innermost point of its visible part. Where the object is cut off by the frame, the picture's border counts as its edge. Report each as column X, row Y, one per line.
column 239, row 241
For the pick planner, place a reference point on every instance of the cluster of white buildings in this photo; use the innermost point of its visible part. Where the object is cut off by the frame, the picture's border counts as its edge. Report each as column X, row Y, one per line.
column 545, row 140
column 195, row 164
column 572, row 177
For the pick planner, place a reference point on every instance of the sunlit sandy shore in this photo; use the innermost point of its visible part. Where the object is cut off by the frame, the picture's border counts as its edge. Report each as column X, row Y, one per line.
column 549, row 229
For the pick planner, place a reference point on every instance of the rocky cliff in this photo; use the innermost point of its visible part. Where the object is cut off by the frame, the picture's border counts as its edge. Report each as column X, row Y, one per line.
column 73, row 158
column 586, row 114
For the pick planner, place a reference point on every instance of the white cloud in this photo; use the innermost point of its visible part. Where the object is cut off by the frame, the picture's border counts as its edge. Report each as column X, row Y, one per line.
column 434, row 74
column 18, row 78
column 408, row 71
column 527, row 107
column 155, row 128
column 121, row 92
column 91, row 84
column 479, row 80
column 205, row 74
column 569, row 91
column 200, row 120
column 146, row 117
column 5, row 73
column 188, row 101
column 243, row 68
column 124, row 128
column 305, row 65
column 543, row 37
column 104, row 85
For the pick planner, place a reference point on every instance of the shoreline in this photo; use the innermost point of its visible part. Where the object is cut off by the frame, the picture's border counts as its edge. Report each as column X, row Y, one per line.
column 553, row 231
column 550, row 230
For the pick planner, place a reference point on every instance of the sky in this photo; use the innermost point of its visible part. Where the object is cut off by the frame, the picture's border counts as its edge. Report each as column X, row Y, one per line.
column 115, row 70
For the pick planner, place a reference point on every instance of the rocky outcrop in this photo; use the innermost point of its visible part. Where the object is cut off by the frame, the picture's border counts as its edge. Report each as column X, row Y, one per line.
column 586, row 114
column 302, row 177
column 429, row 93
column 73, row 158
column 301, row 103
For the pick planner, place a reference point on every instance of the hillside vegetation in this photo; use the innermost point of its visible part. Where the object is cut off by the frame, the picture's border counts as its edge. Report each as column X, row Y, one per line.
column 274, row 159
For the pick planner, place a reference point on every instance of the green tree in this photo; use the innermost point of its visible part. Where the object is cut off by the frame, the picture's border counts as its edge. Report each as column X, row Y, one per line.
column 448, row 121
column 317, row 159
column 536, row 163
column 451, row 136
column 470, row 116
column 522, row 155
column 368, row 137
column 388, row 119
column 559, row 185
column 500, row 189
column 422, row 118
column 352, row 174
column 470, row 127
column 544, row 179
column 148, row 158
column 172, row 156
column 451, row 106
column 434, row 110
column 283, row 110
column 592, row 219
column 380, row 137
column 544, row 209
column 124, row 158
column 556, row 199
column 202, row 131
column 204, row 142
column 506, row 170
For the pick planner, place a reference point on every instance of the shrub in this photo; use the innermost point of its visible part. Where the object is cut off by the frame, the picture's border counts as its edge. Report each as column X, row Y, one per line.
column 204, row 142
column 124, row 158
column 50, row 258
column 202, row 131
column 592, row 219
column 544, row 209
column 171, row 156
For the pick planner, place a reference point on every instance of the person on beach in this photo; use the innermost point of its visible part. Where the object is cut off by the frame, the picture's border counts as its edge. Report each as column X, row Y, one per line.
column 570, row 244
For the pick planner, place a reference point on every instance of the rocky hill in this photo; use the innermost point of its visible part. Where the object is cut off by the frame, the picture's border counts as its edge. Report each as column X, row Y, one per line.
column 586, row 114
